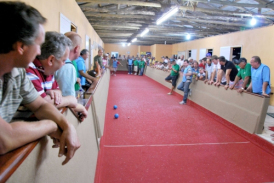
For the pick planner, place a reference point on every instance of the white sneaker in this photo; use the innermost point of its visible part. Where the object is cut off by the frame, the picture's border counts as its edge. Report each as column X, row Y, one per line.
column 135, row 74
column 182, row 103
column 169, row 93
column 127, row 73
column 189, row 93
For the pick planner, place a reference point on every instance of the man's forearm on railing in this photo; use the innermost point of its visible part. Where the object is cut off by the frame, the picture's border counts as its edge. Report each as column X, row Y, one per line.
column 19, row 133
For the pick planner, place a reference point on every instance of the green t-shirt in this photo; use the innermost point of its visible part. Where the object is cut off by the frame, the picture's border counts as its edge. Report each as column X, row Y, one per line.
column 245, row 72
column 99, row 60
column 136, row 63
column 142, row 64
column 238, row 67
column 175, row 67
column 76, row 86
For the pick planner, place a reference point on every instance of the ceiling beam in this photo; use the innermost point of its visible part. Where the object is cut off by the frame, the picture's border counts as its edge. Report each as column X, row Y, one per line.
column 266, row 4
column 228, row 3
column 222, row 12
column 90, row 14
column 131, row 12
column 215, row 22
column 132, row 3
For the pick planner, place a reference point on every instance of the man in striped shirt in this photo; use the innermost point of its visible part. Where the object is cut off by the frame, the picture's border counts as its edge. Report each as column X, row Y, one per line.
column 54, row 52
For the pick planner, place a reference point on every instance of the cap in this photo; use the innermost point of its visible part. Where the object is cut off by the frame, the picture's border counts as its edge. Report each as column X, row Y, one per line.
column 190, row 58
column 208, row 55
column 171, row 60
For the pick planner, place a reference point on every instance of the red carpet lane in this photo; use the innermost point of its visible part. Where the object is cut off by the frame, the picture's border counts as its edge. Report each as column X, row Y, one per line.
column 163, row 141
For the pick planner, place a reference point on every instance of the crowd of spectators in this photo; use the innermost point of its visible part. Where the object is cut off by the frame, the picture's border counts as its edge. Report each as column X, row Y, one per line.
column 237, row 74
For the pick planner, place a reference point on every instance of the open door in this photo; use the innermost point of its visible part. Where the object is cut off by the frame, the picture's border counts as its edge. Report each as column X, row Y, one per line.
column 226, row 52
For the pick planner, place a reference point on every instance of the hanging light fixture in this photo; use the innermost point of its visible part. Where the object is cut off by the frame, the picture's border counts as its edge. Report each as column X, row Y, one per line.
column 145, row 32
column 133, row 40
column 167, row 15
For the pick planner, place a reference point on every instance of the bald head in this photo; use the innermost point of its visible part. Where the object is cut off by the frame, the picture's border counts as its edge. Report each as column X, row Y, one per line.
column 75, row 38
column 76, row 45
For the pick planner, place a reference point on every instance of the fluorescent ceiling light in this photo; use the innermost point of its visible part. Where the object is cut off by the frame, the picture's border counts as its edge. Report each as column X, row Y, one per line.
column 145, row 32
column 253, row 21
column 167, row 15
column 133, row 40
column 188, row 36
column 128, row 44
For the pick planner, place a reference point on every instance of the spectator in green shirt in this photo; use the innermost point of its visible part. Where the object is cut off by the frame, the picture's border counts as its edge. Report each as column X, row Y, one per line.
column 136, row 65
column 142, row 66
column 172, row 78
column 98, row 63
column 244, row 73
column 78, row 82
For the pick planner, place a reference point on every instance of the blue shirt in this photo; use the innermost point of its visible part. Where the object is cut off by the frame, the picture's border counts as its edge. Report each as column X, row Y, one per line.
column 66, row 78
column 187, row 70
column 258, row 77
column 196, row 71
column 81, row 67
column 129, row 62
column 115, row 63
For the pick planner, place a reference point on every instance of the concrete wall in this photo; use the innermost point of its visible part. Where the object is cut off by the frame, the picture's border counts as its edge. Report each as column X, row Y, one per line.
column 247, row 111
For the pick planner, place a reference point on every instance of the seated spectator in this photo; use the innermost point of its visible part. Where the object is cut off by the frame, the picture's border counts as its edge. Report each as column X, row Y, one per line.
column 187, row 79
column 201, row 74
column 86, row 78
column 172, row 78
column 54, row 53
column 17, row 50
column 243, row 74
column 229, row 70
column 208, row 69
column 260, row 77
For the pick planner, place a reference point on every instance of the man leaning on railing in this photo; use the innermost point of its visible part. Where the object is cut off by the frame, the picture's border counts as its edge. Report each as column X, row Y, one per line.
column 20, row 44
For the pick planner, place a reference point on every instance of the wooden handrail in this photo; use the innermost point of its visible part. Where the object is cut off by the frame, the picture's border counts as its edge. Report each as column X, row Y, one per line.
column 10, row 161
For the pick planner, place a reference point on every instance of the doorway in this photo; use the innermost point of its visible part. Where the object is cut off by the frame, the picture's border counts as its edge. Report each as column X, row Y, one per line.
column 236, row 52
column 115, row 54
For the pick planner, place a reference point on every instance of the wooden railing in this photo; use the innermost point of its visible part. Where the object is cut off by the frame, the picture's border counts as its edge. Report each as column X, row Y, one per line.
column 10, row 162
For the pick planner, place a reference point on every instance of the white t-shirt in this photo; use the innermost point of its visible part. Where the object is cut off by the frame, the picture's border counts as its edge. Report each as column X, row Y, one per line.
column 217, row 67
column 166, row 61
column 178, row 62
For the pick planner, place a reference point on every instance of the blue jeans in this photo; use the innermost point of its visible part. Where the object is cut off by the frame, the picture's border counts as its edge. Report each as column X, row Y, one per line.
column 141, row 71
column 129, row 69
column 184, row 86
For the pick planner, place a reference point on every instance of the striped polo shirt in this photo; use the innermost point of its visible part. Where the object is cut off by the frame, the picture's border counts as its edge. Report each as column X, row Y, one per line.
column 15, row 89
column 41, row 82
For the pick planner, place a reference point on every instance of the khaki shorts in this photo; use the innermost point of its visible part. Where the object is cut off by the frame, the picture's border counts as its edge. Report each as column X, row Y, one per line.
column 135, row 68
